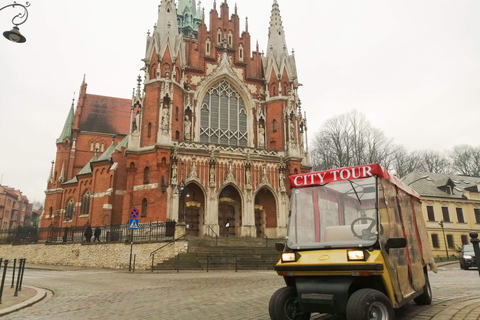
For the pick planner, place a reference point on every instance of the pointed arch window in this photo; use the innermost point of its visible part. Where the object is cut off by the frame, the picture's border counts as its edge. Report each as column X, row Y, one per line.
column 97, row 146
column 69, row 210
column 144, row 208
column 208, row 46
column 149, row 131
column 86, row 203
column 146, row 175
column 223, row 116
column 219, row 36
column 176, row 113
column 240, row 52
column 274, row 125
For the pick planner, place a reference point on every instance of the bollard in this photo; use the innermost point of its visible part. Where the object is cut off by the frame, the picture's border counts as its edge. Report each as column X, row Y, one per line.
column 475, row 242
column 5, row 264
column 13, row 276
column 15, row 294
column 22, row 271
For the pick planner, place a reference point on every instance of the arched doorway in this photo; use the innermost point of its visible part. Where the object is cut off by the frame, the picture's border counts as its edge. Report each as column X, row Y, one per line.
column 229, row 212
column 265, row 213
column 191, row 209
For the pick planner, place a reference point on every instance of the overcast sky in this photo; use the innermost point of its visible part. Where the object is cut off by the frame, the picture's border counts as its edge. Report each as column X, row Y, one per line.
column 412, row 66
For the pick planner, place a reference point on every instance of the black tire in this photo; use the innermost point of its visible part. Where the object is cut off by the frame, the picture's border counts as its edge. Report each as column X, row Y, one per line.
column 426, row 297
column 283, row 306
column 366, row 304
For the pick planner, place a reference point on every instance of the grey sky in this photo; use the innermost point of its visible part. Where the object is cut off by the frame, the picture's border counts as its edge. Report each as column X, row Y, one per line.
column 412, row 66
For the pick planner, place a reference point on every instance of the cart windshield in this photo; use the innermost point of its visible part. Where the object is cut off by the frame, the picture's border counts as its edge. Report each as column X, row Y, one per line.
column 334, row 215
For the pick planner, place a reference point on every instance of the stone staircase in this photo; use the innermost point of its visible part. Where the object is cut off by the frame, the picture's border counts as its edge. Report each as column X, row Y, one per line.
column 208, row 253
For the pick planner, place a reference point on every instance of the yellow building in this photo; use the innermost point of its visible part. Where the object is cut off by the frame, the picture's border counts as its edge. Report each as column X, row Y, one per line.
column 451, row 208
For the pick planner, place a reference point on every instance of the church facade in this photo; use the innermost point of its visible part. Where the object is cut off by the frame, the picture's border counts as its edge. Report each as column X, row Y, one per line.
column 207, row 139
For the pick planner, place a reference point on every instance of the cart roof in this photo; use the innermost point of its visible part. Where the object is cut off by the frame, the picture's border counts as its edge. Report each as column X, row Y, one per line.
column 347, row 173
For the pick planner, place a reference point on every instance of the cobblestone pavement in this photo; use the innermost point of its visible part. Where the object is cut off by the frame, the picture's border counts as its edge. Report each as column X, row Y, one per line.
column 111, row 294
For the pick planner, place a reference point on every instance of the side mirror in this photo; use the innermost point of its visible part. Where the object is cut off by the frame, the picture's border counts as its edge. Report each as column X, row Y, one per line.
column 280, row 246
column 395, row 243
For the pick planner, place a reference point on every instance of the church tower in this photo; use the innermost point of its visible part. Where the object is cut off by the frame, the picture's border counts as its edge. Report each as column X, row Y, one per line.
column 216, row 128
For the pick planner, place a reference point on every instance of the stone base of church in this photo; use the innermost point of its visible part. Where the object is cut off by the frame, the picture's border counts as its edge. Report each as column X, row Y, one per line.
column 249, row 231
column 281, row 232
column 180, row 230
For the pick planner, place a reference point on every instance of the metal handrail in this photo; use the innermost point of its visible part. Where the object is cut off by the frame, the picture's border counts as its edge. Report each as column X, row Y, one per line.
column 152, row 254
column 216, row 235
column 266, row 237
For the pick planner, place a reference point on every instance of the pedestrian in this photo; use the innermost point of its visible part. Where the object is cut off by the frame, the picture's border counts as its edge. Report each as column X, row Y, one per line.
column 97, row 233
column 88, row 233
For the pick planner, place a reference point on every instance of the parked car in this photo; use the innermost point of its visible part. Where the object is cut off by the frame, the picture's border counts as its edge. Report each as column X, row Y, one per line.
column 467, row 257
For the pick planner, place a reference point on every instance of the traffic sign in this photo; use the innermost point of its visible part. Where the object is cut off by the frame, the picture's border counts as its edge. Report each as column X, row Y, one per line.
column 134, row 213
column 133, row 225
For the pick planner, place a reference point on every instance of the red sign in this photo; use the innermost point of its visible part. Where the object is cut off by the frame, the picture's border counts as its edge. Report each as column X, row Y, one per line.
column 348, row 173
column 134, row 213
column 342, row 174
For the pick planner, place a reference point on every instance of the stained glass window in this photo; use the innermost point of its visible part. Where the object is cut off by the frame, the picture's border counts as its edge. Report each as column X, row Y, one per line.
column 223, row 116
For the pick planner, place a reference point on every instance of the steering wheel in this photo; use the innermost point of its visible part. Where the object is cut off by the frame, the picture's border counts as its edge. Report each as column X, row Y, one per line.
column 367, row 233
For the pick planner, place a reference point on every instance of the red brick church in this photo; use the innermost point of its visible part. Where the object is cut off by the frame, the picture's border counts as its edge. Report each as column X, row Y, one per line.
column 207, row 139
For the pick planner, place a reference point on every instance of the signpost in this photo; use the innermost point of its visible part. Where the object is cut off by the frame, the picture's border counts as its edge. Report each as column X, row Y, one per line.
column 132, row 225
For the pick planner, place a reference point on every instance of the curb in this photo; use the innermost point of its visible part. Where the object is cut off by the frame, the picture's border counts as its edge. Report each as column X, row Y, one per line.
column 41, row 294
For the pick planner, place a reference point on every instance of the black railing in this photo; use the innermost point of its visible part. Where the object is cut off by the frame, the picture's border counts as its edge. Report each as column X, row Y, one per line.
column 152, row 254
column 147, row 232
column 213, row 231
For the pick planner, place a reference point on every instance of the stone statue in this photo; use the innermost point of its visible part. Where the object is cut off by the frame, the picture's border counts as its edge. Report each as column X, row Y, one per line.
column 249, row 177
column 292, row 129
column 174, row 174
column 212, row 175
column 187, row 127
column 281, row 181
column 261, row 137
column 136, row 122
column 165, row 119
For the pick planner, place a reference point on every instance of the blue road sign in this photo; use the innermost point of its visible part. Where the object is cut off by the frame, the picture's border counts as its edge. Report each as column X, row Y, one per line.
column 134, row 213
column 133, row 225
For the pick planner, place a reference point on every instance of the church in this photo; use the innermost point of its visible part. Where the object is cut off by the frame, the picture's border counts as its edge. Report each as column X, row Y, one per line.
column 207, row 140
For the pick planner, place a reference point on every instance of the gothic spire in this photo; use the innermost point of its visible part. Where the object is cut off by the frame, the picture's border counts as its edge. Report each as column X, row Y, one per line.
column 167, row 21
column 67, row 127
column 276, row 35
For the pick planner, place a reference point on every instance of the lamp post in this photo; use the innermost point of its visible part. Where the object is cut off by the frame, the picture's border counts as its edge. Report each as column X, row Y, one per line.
column 14, row 35
column 181, row 188
column 444, row 238
column 421, row 178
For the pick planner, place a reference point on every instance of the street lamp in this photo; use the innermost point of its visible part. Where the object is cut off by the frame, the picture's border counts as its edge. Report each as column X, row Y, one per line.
column 14, row 35
column 444, row 239
column 181, row 188
column 421, row 178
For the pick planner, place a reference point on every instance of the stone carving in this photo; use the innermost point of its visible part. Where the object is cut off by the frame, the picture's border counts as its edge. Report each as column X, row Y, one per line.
column 261, row 137
column 187, row 128
column 281, row 182
column 174, row 174
column 212, row 176
column 193, row 169
column 165, row 120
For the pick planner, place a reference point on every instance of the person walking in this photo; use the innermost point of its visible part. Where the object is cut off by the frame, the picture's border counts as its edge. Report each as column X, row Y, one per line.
column 88, row 233
column 97, row 233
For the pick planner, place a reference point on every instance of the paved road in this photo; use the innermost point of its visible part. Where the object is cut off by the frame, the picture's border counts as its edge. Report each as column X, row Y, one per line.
column 109, row 294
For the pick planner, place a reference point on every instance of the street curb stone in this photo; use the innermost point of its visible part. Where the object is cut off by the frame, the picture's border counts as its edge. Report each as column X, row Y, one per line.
column 41, row 294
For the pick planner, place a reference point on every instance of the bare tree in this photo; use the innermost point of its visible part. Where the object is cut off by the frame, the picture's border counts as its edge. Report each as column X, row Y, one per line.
column 435, row 162
column 404, row 162
column 348, row 140
column 466, row 160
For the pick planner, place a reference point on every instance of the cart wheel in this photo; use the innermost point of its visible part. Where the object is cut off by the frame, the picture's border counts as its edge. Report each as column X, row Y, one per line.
column 283, row 306
column 366, row 304
column 426, row 297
